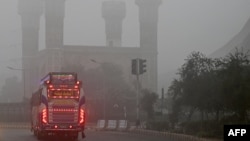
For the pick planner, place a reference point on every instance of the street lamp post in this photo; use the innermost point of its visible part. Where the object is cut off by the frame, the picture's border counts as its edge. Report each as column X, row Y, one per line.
column 23, row 71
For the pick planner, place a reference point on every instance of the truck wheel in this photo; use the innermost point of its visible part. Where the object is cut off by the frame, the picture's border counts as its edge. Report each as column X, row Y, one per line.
column 35, row 132
column 74, row 137
column 39, row 135
column 83, row 135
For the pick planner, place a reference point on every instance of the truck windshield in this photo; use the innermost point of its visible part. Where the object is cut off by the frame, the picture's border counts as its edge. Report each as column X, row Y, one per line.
column 63, row 79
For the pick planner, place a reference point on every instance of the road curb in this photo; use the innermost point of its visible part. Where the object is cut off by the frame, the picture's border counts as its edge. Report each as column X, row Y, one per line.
column 15, row 125
column 171, row 136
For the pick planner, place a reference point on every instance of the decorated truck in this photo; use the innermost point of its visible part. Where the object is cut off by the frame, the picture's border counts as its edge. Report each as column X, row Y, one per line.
column 58, row 106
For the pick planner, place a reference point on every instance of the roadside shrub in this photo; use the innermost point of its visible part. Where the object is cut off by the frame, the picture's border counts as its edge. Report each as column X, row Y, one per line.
column 203, row 129
column 157, row 125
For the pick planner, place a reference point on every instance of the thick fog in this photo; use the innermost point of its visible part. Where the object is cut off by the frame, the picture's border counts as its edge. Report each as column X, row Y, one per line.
column 184, row 26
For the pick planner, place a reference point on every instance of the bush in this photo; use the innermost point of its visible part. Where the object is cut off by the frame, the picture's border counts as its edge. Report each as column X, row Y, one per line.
column 157, row 125
column 204, row 129
column 204, row 134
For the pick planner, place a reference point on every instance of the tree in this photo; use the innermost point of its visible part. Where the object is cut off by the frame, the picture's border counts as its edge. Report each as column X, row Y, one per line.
column 235, row 75
column 116, row 89
column 213, row 85
column 196, row 85
column 147, row 102
column 104, row 85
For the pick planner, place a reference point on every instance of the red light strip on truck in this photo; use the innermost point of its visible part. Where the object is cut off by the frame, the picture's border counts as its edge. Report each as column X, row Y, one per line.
column 81, row 120
column 71, row 97
column 64, row 110
column 44, row 115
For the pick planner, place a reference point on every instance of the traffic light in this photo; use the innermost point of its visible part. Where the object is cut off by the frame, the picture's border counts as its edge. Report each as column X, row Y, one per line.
column 134, row 66
column 142, row 66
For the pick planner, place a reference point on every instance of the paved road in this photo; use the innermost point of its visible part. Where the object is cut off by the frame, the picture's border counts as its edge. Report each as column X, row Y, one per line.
column 8, row 134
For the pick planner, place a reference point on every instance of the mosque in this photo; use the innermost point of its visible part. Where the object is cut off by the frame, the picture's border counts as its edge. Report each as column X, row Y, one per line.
column 37, row 63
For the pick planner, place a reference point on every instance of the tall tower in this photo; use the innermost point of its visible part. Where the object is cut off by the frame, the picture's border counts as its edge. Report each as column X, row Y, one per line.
column 54, row 25
column 30, row 12
column 113, row 13
column 148, row 19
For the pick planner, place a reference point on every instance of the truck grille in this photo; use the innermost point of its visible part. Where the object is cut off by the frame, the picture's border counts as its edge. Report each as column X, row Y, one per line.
column 63, row 114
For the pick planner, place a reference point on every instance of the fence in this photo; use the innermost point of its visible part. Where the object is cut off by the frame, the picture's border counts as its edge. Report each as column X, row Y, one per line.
column 14, row 112
column 122, row 125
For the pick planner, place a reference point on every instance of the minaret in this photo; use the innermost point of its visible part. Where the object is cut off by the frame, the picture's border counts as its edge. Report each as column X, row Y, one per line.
column 30, row 12
column 113, row 13
column 54, row 25
column 148, row 18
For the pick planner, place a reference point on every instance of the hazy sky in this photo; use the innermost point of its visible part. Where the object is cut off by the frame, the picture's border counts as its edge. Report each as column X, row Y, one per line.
column 184, row 26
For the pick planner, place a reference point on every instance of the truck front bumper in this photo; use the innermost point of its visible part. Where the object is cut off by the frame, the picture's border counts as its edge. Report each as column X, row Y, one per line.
column 62, row 127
